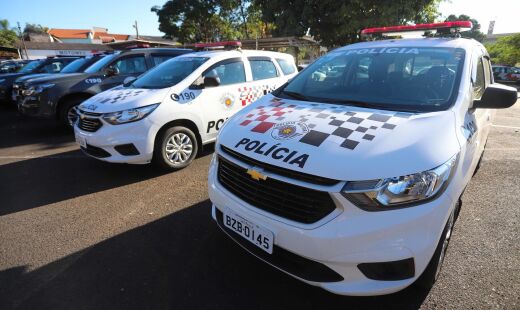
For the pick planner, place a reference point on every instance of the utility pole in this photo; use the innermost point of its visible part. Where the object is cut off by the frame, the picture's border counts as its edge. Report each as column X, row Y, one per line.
column 136, row 30
column 23, row 41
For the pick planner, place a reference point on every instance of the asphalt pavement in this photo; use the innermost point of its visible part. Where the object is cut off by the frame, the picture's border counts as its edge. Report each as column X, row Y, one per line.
column 77, row 233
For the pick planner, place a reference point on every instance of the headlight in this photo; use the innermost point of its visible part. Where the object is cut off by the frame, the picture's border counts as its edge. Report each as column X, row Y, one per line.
column 36, row 89
column 130, row 115
column 403, row 191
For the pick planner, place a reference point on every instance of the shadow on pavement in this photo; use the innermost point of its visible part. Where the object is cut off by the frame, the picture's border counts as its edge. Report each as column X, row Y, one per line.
column 40, row 181
column 18, row 130
column 182, row 261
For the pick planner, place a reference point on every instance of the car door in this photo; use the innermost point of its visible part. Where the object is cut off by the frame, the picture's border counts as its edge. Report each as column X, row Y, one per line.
column 266, row 77
column 477, row 121
column 218, row 103
column 123, row 67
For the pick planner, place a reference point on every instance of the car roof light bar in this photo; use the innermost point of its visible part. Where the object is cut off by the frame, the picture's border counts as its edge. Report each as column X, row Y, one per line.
column 445, row 28
column 216, row 45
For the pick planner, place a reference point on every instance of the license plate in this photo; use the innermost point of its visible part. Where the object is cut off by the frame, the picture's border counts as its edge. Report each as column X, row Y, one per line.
column 81, row 141
column 255, row 234
column 14, row 95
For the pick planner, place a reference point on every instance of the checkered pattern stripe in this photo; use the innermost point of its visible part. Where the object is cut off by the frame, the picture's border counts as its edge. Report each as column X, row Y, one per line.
column 326, row 122
column 249, row 94
column 119, row 95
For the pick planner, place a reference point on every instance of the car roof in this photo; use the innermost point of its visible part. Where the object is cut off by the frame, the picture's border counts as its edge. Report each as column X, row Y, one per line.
column 467, row 44
column 224, row 54
column 158, row 49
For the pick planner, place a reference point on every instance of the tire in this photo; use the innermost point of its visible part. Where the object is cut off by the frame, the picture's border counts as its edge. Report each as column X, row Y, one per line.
column 67, row 110
column 432, row 271
column 175, row 148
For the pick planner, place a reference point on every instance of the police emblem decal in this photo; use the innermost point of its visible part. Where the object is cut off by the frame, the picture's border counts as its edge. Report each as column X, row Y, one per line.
column 227, row 100
column 289, row 130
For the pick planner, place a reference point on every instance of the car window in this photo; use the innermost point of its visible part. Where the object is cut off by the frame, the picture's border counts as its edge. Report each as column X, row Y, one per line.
column 480, row 82
column 158, row 59
column 286, row 66
column 262, row 69
column 75, row 65
column 100, row 64
column 130, row 65
column 413, row 79
column 52, row 67
column 169, row 72
column 229, row 72
column 31, row 66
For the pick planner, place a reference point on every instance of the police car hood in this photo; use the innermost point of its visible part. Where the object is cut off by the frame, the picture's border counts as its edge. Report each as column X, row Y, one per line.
column 32, row 77
column 340, row 142
column 121, row 98
column 55, row 78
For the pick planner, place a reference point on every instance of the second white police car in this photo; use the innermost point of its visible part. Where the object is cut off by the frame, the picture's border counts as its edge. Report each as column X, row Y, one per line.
column 349, row 177
column 168, row 113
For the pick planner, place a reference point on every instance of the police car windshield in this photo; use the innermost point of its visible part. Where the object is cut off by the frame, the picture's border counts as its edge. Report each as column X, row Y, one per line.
column 75, row 65
column 98, row 65
column 30, row 67
column 401, row 79
column 169, row 72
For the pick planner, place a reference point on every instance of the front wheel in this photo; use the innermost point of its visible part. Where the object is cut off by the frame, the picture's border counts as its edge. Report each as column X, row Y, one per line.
column 67, row 113
column 175, row 148
column 432, row 271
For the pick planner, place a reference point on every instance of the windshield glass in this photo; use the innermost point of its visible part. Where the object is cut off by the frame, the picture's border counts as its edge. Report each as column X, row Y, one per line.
column 97, row 66
column 402, row 79
column 169, row 72
column 74, row 66
column 28, row 68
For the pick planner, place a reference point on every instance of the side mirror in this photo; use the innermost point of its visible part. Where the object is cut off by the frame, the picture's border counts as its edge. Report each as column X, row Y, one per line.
column 211, row 81
column 128, row 80
column 111, row 71
column 497, row 96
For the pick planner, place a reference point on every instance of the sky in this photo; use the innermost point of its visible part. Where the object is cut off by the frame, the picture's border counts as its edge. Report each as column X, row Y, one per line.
column 118, row 16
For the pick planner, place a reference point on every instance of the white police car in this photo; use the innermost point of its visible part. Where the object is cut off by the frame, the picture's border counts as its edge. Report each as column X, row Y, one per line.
column 349, row 177
column 169, row 112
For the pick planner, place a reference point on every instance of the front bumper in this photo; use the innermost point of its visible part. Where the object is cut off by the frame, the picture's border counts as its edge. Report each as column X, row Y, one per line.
column 37, row 105
column 348, row 237
column 107, row 142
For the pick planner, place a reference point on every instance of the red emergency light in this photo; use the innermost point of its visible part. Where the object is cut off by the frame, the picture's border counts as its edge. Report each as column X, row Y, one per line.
column 459, row 25
column 235, row 44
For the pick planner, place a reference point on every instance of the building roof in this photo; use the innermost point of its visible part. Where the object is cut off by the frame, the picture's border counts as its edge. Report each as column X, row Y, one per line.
column 64, row 46
column 69, row 33
column 117, row 37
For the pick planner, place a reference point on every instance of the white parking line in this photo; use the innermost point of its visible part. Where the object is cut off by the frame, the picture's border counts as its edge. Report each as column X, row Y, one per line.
column 41, row 156
column 503, row 126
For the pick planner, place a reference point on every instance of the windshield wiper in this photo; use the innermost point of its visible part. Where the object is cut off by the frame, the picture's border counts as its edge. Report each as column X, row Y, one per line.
column 295, row 95
column 371, row 105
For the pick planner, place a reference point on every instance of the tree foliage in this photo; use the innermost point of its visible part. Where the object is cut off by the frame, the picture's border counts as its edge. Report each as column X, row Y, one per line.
column 506, row 50
column 336, row 23
column 210, row 20
column 34, row 29
column 8, row 36
column 474, row 33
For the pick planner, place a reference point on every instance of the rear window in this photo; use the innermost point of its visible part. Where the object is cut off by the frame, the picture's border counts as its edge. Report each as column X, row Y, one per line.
column 286, row 66
column 262, row 69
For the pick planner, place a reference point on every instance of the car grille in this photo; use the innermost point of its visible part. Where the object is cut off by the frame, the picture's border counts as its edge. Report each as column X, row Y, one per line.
column 88, row 121
column 290, row 201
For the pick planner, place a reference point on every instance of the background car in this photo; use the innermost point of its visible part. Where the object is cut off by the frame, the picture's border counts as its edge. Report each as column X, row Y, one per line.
column 57, row 96
column 506, row 74
column 48, row 65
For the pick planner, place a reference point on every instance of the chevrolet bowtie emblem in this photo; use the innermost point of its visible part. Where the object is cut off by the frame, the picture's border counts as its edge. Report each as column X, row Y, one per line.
column 256, row 175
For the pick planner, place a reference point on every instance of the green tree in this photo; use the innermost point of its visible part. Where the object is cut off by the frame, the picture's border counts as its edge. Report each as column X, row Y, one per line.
column 474, row 33
column 336, row 23
column 34, row 29
column 8, row 36
column 211, row 20
column 506, row 50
